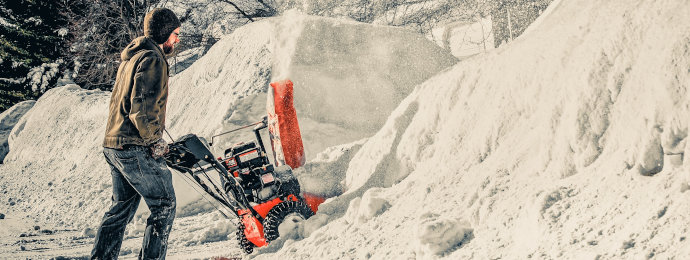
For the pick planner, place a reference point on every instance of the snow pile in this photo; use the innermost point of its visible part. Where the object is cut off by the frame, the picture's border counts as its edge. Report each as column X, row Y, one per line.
column 219, row 230
column 325, row 174
column 55, row 166
column 8, row 119
column 567, row 143
column 438, row 234
column 362, row 209
column 359, row 73
column 347, row 77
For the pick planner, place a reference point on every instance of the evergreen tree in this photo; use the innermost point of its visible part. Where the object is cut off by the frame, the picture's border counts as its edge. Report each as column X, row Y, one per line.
column 32, row 37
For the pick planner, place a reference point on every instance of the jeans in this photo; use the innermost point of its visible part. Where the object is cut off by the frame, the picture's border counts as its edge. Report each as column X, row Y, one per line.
column 135, row 175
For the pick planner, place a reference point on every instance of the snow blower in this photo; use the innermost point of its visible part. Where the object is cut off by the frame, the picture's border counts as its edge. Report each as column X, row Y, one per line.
column 261, row 195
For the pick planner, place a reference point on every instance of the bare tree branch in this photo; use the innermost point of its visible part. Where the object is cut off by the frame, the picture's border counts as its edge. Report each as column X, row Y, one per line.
column 238, row 9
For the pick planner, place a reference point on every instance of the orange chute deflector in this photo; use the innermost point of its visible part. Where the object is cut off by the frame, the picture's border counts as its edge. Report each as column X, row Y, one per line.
column 286, row 139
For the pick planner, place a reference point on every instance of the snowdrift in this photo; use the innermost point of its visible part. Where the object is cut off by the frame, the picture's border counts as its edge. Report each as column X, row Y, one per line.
column 568, row 143
column 8, row 119
column 55, row 171
column 347, row 76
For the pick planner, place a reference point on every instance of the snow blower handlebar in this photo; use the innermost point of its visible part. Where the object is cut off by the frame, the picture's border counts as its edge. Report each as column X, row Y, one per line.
column 185, row 155
column 262, row 124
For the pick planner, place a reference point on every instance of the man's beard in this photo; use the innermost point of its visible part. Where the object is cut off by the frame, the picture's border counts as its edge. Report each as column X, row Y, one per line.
column 168, row 48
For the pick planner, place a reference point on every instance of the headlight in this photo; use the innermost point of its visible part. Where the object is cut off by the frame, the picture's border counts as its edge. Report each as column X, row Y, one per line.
column 231, row 162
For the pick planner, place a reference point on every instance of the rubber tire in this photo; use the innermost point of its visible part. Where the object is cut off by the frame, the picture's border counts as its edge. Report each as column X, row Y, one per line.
column 278, row 213
column 245, row 245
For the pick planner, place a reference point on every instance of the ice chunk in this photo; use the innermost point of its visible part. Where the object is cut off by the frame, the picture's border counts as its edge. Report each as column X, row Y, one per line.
column 440, row 235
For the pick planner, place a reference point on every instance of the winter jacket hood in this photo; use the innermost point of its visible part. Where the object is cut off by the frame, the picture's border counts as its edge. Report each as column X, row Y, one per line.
column 139, row 98
column 137, row 45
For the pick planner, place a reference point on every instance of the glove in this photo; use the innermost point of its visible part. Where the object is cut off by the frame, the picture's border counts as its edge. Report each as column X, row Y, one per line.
column 159, row 149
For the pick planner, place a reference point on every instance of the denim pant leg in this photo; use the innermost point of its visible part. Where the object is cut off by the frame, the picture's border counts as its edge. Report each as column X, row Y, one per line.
column 152, row 179
column 125, row 201
column 160, row 199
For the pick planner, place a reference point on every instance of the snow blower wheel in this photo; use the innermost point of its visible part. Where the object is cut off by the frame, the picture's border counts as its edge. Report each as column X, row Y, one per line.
column 284, row 211
column 245, row 245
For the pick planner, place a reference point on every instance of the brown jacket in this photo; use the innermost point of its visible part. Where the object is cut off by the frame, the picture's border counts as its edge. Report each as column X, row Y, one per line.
column 139, row 98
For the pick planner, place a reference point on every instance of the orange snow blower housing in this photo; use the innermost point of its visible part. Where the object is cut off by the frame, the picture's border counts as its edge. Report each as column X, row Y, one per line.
column 260, row 194
column 283, row 127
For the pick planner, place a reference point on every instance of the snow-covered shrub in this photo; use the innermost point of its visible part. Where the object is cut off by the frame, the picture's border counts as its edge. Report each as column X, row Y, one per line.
column 41, row 77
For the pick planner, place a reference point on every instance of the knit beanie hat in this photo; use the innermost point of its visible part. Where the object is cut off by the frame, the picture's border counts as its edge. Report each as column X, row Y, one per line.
column 160, row 23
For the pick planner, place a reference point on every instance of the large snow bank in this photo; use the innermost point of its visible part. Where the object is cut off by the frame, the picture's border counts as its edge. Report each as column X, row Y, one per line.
column 567, row 143
column 8, row 119
column 358, row 72
column 55, row 169
column 348, row 77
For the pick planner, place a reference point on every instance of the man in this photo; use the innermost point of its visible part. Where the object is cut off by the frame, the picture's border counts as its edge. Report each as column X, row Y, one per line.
column 133, row 145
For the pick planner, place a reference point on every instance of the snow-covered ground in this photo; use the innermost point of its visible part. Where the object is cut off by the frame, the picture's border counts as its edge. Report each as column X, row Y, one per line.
column 567, row 143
